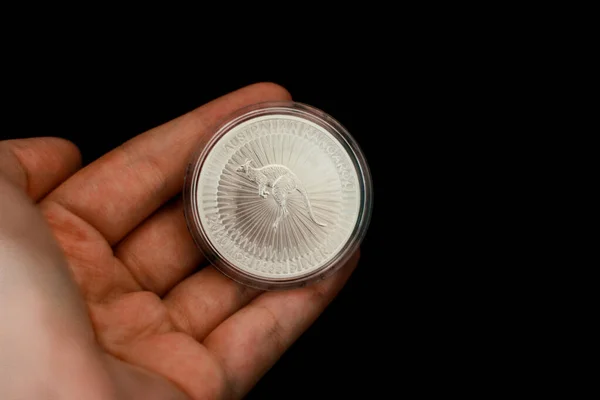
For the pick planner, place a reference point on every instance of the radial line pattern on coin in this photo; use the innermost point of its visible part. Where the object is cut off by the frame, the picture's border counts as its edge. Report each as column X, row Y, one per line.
column 281, row 194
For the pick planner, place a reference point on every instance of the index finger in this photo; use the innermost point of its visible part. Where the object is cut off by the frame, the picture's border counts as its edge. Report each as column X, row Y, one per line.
column 121, row 189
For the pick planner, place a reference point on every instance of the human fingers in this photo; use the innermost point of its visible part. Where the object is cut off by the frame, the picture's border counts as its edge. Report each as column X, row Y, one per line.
column 249, row 342
column 121, row 189
column 38, row 165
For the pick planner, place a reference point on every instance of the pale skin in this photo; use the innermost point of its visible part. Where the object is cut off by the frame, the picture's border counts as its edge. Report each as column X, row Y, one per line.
column 103, row 294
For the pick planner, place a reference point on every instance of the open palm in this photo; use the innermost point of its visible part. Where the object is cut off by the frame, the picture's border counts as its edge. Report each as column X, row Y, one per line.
column 159, row 323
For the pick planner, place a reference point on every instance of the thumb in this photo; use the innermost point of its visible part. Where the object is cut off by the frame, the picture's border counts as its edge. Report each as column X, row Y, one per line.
column 46, row 338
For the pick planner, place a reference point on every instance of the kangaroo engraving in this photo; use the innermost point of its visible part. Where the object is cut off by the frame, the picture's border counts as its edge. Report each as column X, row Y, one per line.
column 282, row 182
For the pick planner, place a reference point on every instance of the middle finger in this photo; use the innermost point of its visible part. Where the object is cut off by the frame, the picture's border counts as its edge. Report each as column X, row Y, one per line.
column 160, row 252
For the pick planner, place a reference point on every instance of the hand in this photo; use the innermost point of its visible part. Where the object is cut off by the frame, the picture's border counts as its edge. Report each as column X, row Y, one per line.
column 101, row 294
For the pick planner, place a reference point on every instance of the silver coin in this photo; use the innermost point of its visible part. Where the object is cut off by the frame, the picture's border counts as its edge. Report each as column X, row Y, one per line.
column 277, row 196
